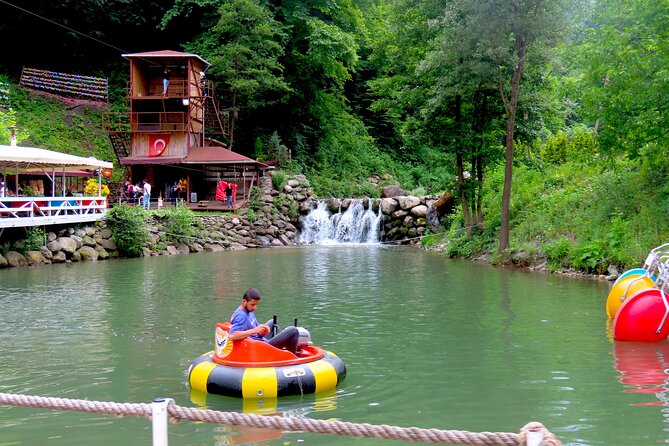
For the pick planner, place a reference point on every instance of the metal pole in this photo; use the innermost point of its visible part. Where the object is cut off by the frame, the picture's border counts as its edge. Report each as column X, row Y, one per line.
column 159, row 420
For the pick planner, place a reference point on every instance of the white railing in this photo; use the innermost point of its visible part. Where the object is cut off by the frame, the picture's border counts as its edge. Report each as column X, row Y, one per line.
column 37, row 211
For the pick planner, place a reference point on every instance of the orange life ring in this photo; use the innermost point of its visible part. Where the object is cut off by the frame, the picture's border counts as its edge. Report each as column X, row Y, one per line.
column 106, row 173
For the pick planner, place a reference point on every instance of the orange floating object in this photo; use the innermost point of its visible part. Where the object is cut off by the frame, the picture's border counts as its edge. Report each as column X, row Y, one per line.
column 623, row 290
column 643, row 317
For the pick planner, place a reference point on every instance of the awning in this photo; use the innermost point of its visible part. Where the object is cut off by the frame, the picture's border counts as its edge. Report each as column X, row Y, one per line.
column 216, row 155
column 22, row 159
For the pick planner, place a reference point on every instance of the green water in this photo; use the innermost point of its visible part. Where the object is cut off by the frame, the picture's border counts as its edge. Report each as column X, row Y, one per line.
column 427, row 341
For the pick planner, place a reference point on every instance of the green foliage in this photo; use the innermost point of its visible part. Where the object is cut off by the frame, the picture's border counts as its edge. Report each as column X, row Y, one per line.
column 255, row 198
column 180, row 220
column 129, row 228
column 35, row 239
column 576, row 144
column 293, row 211
column 279, row 180
column 252, row 215
column 558, row 253
column 50, row 124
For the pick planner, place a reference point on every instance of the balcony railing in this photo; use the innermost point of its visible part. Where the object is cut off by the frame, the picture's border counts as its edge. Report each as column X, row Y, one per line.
column 147, row 122
column 37, row 211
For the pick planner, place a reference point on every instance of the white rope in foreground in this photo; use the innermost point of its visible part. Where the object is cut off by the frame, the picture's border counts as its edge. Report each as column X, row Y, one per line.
column 532, row 434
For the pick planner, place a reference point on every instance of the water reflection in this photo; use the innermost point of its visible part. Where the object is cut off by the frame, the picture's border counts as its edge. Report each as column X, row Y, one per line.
column 290, row 407
column 643, row 368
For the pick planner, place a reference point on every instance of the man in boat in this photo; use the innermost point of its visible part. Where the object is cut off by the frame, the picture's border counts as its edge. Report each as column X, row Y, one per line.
column 245, row 325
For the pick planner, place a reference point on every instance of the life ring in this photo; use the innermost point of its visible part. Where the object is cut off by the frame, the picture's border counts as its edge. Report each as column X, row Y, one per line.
column 106, row 173
column 254, row 369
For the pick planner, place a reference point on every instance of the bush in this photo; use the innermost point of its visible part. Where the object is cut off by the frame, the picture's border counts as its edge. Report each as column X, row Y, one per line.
column 180, row 221
column 558, row 253
column 279, row 180
column 129, row 229
column 34, row 239
column 255, row 198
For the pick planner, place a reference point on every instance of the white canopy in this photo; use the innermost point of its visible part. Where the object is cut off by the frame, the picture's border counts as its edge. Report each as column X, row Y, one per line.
column 23, row 159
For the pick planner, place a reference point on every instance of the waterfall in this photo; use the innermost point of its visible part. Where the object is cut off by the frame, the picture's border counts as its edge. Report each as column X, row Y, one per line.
column 356, row 225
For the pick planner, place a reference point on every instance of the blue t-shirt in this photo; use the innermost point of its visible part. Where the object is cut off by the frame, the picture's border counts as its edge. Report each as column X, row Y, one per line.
column 242, row 320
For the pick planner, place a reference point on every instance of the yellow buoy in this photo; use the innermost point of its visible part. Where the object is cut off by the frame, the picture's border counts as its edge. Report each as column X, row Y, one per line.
column 627, row 287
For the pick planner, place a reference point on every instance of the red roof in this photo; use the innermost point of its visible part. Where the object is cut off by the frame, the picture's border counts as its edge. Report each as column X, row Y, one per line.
column 216, row 155
column 197, row 155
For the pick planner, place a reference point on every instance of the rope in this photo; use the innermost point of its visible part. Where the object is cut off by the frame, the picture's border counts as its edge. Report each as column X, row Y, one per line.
column 363, row 430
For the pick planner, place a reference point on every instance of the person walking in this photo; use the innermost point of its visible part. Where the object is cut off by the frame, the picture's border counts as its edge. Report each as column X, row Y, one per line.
column 146, row 201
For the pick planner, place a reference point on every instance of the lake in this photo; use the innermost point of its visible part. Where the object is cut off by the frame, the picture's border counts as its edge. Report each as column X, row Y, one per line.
column 428, row 342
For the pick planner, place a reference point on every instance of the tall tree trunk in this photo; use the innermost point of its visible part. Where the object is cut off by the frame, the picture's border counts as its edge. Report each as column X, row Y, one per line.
column 510, row 108
column 458, row 160
column 479, row 196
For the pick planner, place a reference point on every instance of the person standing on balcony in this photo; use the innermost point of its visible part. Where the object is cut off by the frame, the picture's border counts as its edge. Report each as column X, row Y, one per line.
column 166, row 80
column 146, row 201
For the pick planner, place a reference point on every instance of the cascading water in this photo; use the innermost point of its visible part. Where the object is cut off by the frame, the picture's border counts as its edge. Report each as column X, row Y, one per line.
column 356, row 225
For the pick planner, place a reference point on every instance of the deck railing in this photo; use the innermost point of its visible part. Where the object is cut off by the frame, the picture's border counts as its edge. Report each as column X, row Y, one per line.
column 38, row 211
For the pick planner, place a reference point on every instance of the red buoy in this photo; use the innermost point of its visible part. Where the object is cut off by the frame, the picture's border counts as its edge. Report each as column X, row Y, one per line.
column 643, row 317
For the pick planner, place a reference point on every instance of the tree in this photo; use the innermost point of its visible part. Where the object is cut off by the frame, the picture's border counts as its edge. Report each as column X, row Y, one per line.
column 508, row 31
column 244, row 47
column 621, row 60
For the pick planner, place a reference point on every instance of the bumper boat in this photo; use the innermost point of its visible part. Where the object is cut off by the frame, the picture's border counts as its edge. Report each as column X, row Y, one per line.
column 248, row 368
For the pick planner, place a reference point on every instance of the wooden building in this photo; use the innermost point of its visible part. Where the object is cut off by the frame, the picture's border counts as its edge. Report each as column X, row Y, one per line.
column 175, row 129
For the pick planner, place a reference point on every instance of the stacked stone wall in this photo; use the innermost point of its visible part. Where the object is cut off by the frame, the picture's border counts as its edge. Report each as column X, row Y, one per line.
column 274, row 220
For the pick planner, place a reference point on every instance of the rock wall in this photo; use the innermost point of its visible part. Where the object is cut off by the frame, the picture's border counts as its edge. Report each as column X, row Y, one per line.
column 405, row 218
column 272, row 220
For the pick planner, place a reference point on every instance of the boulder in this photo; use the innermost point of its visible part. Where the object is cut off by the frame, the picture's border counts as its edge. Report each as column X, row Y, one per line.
column 67, row 245
column 182, row 248
column 53, row 246
column 87, row 254
column 408, row 202
column 46, row 252
column 58, row 257
column 3, row 262
column 392, row 190
column 388, row 205
column 419, row 211
column 35, row 258
column 102, row 253
column 15, row 259
column 87, row 240
column 108, row 244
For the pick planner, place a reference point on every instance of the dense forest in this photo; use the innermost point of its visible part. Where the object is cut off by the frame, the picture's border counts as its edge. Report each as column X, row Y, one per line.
column 545, row 118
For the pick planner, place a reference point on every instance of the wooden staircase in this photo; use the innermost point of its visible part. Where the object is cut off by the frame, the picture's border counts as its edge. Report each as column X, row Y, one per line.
column 120, row 142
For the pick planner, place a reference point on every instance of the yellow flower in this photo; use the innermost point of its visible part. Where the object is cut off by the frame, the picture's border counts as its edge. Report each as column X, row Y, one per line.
column 91, row 189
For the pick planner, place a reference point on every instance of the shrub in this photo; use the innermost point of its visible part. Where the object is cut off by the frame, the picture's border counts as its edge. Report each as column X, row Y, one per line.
column 129, row 229
column 279, row 180
column 180, row 221
column 255, row 198
column 293, row 211
column 34, row 239
column 558, row 253
column 251, row 215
